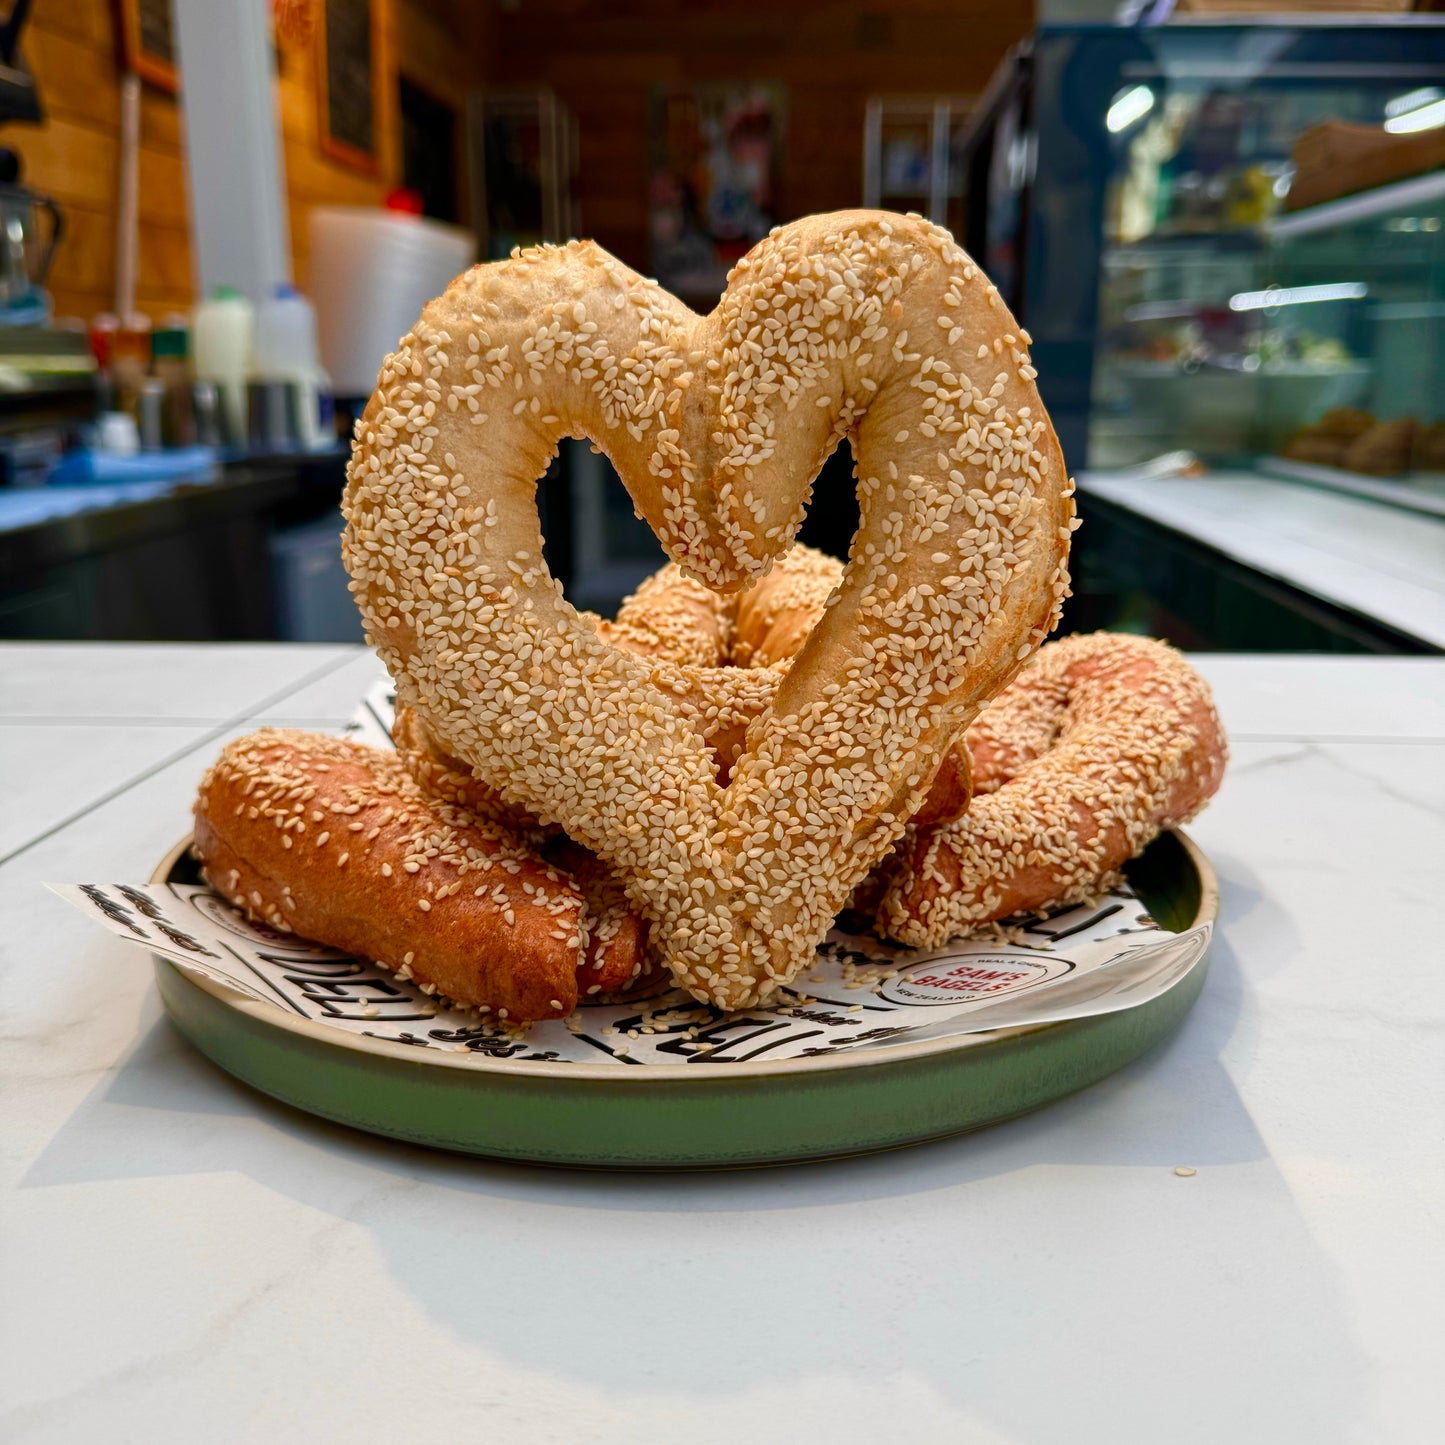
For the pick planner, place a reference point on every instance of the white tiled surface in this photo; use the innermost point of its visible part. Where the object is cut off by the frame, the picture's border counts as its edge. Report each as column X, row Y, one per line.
column 79, row 721
column 334, row 695
column 50, row 771
column 147, row 683
column 1378, row 560
column 1281, row 695
column 184, row 1260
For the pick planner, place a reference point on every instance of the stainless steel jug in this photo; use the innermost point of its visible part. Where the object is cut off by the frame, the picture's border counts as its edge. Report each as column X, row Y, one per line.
column 30, row 229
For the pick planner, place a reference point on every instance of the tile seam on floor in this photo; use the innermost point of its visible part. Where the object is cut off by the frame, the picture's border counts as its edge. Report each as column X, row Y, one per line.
column 266, row 704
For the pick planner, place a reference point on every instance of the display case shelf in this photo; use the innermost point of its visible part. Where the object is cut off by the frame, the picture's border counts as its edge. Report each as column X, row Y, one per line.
column 1422, row 492
column 1362, row 206
column 1243, row 333
column 1173, row 302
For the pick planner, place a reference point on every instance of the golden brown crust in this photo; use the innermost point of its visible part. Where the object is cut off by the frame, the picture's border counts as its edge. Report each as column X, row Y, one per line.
column 450, row 780
column 949, row 790
column 776, row 614
column 1384, row 450
column 337, row 843
column 615, row 953
column 675, row 618
column 767, row 625
column 1101, row 742
column 615, row 932
column 862, row 324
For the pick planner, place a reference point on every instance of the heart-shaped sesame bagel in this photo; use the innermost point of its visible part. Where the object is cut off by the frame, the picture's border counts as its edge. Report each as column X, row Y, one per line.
column 860, row 324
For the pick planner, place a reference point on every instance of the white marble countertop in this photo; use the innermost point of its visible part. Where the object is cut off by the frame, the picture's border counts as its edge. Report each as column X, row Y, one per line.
column 1377, row 560
column 185, row 1260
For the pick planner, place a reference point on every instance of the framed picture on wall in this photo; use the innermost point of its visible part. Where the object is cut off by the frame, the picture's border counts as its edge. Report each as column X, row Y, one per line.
column 147, row 34
column 348, row 49
column 716, row 151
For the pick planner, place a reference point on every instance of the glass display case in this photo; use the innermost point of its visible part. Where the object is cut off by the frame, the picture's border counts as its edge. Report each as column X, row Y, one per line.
column 1226, row 239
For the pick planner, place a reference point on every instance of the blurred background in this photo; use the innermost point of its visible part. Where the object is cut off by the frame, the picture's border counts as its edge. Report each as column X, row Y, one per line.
column 1222, row 222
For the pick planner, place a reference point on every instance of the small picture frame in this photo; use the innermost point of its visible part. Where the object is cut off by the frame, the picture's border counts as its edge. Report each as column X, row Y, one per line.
column 348, row 51
column 147, row 33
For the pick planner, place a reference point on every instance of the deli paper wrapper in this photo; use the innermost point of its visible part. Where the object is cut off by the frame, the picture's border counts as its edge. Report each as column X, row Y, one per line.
column 860, row 993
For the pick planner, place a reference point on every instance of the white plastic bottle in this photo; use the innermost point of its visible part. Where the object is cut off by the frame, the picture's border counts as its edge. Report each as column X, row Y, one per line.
column 286, row 351
column 222, row 330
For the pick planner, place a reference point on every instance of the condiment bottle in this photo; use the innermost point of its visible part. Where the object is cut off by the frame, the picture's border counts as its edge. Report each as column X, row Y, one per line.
column 170, row 365
column 131, row 360
column 286, row 352
column 222, row 330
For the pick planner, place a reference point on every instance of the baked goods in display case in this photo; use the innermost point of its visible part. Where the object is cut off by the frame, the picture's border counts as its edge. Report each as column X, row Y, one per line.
column 1335, row 159
column 763, row 738
column 1354, row 441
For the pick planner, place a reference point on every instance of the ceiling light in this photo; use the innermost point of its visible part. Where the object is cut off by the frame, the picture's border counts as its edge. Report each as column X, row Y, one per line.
column 1412, row 100
column 1422, row 117
column 1296, row 296
column 1127, row 107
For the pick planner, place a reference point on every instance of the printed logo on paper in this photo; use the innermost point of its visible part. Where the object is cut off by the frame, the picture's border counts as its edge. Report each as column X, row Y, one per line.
column 967, row 977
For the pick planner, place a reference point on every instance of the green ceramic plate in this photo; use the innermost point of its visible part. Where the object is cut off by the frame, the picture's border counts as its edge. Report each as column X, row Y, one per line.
column 667, row 1117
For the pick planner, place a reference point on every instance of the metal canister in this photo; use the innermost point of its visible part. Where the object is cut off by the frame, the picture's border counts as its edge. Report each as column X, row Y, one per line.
column 206, row 414
column 274, row 411
column 150, row 414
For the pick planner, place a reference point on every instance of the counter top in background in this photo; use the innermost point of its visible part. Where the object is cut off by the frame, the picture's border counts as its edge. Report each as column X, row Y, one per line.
column 1380, row 561
column 159, row 559
column 183, row 1259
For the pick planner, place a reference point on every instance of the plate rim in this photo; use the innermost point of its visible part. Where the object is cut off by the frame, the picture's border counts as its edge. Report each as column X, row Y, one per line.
column 546, row 1071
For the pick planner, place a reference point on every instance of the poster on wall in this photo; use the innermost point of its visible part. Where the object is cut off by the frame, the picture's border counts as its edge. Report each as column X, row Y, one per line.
column 146, row 29
column 716, row 150
column 347, row 82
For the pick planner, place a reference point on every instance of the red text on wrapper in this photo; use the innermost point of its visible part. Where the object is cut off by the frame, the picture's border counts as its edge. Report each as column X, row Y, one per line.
column 953, row 979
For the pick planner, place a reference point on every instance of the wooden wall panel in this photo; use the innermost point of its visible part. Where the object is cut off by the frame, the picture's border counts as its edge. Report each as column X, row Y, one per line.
column 77, row 78
column 74, row 157
column 69, row 159
column 603, row 56
column 444, row 50
column 89, row 21
column 70, row 46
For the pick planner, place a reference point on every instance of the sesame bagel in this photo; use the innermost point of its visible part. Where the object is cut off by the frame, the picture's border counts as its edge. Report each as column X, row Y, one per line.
column 860, row 324
column 447, row 779
column 1102, row 741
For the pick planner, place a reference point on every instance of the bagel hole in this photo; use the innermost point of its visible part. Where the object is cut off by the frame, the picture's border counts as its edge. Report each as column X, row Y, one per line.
column 592, row 539
column 600, row 550
column 833, row 514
